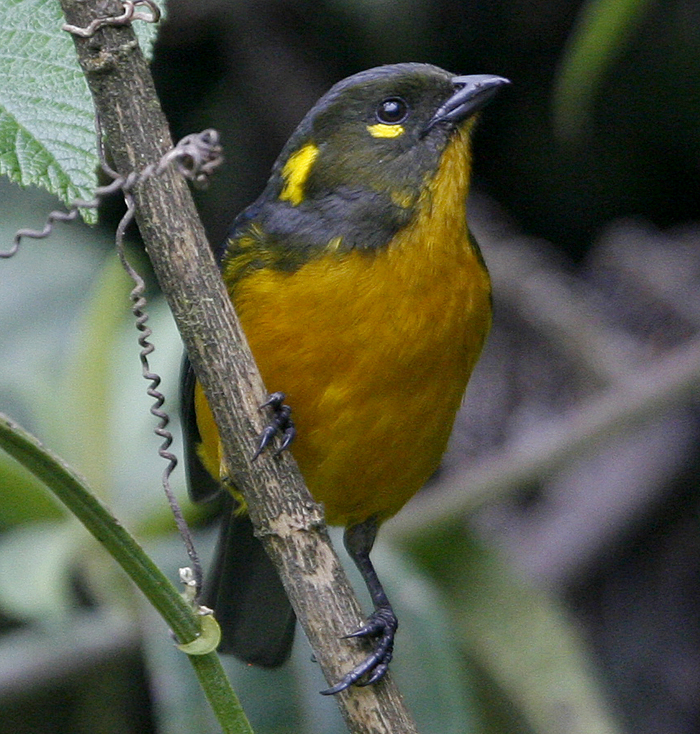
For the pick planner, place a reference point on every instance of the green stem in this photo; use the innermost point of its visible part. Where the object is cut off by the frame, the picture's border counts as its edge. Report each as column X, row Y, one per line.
column 72, row 490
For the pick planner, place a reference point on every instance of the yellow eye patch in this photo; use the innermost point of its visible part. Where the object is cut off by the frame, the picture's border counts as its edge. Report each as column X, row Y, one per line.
column 295, row 172
column 382, row 130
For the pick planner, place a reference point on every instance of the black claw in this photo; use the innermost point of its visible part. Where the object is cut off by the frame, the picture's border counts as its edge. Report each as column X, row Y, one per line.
column 337, row 688
column 264, row 439
column 377, row 674
column 274, row 400
column 281, row 422
column 381, row 625
column 288, row 436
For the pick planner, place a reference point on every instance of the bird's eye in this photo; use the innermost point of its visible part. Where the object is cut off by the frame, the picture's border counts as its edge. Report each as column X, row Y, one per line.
column 392, row 111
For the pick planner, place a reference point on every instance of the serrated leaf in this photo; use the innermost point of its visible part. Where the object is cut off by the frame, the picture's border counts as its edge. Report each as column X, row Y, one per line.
column 47, row 130
column 47, row 134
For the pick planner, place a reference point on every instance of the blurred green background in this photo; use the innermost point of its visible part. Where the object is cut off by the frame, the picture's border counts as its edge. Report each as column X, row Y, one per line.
column 565, row 596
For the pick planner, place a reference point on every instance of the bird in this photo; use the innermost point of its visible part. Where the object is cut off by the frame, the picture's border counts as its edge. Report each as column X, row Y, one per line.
column 366, row 303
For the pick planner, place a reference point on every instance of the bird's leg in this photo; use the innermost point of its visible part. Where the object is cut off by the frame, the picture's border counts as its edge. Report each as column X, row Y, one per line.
column 281, row 422
column 381, row 625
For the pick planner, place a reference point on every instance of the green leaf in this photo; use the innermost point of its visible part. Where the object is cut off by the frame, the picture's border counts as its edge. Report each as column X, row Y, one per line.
column 521, row 638
column 88, row 388
column 47, row 129
column 601, row 33
column 35, row 571
column 24, row 498
column 47, row 134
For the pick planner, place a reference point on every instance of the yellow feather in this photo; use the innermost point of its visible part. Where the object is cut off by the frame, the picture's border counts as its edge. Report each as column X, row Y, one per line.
column 374, row 349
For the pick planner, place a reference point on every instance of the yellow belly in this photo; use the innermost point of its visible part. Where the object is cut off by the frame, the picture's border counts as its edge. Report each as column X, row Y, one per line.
column 374, row 351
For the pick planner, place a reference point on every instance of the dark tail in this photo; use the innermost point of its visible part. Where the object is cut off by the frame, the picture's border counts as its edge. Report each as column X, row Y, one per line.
column 247, row 596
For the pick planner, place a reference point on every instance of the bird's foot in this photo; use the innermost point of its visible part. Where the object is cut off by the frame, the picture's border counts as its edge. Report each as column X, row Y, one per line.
column 281, row 422
column 380, row 626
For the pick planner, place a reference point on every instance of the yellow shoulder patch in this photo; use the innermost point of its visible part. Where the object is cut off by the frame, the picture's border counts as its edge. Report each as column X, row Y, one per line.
column 382, row 130
column 295, row 172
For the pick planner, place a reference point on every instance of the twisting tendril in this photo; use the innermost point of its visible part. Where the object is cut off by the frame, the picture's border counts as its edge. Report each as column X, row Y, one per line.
column 195, row 157
column 128, row 14
column 59, row 216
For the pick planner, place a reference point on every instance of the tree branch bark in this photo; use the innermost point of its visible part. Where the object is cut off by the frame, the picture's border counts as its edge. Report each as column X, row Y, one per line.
column 290, row 524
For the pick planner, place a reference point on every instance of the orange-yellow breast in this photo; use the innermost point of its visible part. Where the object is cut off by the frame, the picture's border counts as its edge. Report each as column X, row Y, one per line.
column 374, row 351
